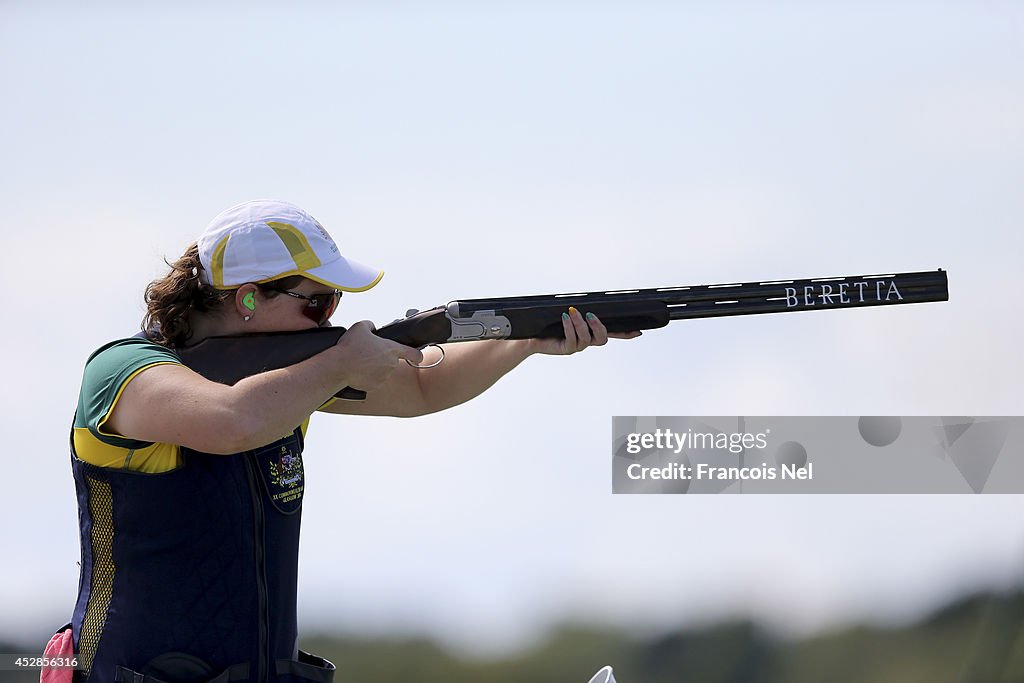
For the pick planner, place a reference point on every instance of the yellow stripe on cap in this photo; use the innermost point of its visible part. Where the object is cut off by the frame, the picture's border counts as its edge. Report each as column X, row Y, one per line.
column 217, row 263
column 297, row 244
column 344, row 289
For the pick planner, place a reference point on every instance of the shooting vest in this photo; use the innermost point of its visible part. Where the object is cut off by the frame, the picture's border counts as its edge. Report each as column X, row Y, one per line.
column 190, row 575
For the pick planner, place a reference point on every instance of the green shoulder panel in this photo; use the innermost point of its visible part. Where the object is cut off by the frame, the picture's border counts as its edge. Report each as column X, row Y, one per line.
column 107, row 372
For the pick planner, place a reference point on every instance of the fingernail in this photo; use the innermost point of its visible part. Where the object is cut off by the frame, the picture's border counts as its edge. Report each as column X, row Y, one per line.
column 591, row 316
column 565, row 316
column 572, row 309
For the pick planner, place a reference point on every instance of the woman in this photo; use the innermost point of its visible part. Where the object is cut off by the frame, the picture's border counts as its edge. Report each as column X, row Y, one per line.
column 190, row 491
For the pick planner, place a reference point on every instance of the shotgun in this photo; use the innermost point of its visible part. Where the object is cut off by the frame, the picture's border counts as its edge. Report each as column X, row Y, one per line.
column 231, row 358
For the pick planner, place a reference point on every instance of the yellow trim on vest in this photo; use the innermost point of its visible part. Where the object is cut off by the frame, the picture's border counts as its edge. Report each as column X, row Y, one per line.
column 152, row 459
column 217, row 262
column 296, row 244
column 120, row 390
column 101, row 583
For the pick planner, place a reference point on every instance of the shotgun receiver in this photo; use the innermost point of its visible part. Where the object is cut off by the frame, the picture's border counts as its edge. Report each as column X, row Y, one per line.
column 229, row 359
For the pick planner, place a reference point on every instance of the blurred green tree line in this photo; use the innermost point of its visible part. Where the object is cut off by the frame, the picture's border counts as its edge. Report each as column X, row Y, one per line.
column 978, row 639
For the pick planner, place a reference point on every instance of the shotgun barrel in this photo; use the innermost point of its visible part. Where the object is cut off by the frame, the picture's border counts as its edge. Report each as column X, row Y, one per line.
column 229, row 359
column 530, row 317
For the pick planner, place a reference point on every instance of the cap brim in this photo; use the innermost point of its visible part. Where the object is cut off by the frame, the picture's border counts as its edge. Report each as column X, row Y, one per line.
column 346, row 275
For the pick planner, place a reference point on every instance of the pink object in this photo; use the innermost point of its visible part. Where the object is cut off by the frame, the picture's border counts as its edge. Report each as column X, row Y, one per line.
column 61, row 645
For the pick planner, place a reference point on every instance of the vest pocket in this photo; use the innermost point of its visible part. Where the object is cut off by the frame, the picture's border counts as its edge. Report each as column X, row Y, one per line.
column 306, row 669
column 178, row 667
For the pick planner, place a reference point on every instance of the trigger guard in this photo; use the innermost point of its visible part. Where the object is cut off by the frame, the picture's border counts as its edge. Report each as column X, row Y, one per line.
column 432, row 365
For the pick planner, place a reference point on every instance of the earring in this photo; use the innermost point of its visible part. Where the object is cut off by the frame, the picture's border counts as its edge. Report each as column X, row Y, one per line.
column 247, row 318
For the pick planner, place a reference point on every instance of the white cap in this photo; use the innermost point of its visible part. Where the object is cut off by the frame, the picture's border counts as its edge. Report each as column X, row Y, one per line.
column 267, row 239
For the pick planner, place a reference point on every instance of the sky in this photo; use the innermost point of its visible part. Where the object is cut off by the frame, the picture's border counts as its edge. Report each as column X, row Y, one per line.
column 505, row 149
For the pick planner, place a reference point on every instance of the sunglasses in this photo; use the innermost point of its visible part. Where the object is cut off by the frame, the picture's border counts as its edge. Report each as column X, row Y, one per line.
column 318, row 308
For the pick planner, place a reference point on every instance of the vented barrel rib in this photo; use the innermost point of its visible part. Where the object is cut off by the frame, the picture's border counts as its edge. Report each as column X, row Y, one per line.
column 746, row 298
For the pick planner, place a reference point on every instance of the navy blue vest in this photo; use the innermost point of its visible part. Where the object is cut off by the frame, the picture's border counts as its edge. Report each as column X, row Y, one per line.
column 190, row 575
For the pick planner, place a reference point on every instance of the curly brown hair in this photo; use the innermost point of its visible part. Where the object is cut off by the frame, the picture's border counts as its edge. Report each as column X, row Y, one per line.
column 171, row 299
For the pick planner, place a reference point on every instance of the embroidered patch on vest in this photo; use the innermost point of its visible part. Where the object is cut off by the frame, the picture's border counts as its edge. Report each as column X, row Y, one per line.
column 281, row 469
